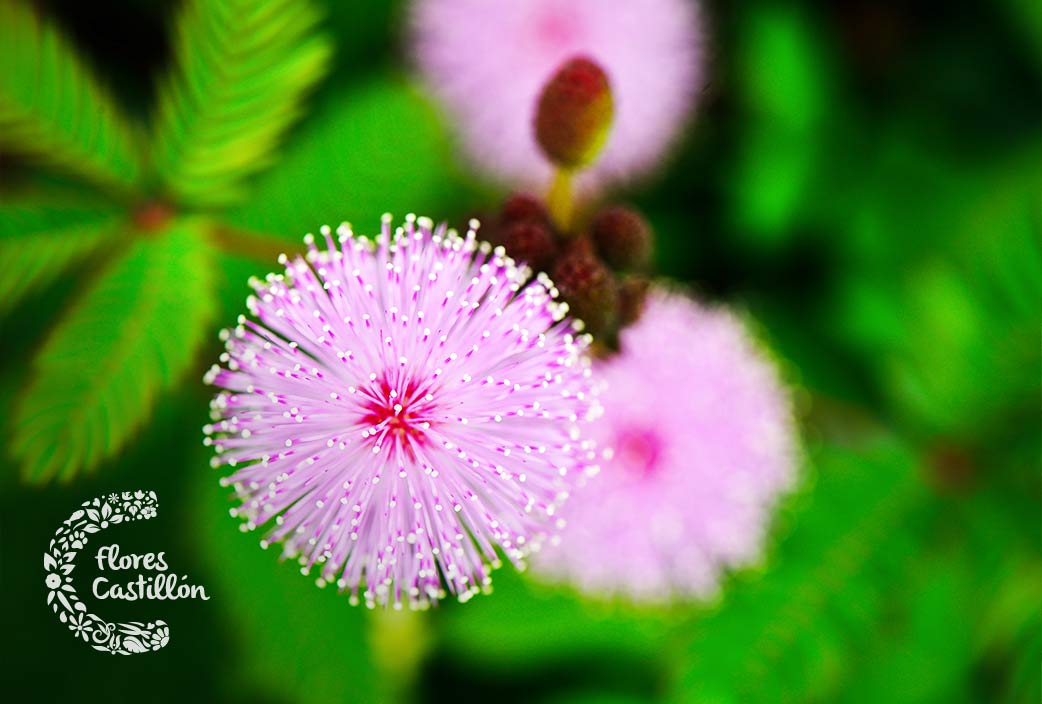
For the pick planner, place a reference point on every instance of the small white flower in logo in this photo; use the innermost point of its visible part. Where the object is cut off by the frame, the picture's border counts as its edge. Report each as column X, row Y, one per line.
column 81, row 625
column 148, row 512
column 61, row 588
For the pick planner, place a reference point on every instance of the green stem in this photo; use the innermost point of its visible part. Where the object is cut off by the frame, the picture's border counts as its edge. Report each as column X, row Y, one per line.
column 560, row 201
column 399, row 642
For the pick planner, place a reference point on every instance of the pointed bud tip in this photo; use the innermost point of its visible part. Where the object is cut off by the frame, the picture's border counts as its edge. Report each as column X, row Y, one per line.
column 574, row 113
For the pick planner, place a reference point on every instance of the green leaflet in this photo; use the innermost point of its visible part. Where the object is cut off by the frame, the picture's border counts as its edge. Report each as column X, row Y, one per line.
column 244, row 67
column 52, row 108
column 967, row 601
column 788, row 635
column 953, row 332
column 1024, row 683
column 40, row 240
column 375, row 150
column 787, row 92
column 134, row 332
column 926, row 654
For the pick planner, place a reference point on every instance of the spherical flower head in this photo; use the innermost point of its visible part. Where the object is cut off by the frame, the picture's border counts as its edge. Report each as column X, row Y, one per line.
column 402, row 411
column 701, row 444
column 489, row 61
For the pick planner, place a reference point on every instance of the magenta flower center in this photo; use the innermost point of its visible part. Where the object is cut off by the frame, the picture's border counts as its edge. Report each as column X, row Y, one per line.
column 557, row 28
column 398, row 417
column 639, row 450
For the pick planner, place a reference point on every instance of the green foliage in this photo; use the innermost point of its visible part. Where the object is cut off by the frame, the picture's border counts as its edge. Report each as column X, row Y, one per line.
column 792, row 633
column 780, row 68
column 525, row 623
column 594, row 698
column 925, row 652
column 41, row 239
column 243, row 69
column 961, row 315
column 53, row 109
column 133, row 333
column 550, row 643
column 377, row 149
column 785, row 90
column 1025, row 685
column 1025, row 17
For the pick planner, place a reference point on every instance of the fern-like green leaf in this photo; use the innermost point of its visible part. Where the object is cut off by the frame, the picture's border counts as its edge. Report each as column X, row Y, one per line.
column 40, row 240
column 243, row 68
column 51, row 106
column 131, row 335
column 952, row 329
column 789, row 634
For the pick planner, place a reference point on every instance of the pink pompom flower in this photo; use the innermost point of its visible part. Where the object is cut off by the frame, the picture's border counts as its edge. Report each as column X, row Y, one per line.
column 487, row 62
column 702, row 445
column 401, row 410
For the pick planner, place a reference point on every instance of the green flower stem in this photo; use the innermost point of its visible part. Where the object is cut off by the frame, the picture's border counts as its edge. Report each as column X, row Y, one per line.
column 399, row 642
column 560, row 200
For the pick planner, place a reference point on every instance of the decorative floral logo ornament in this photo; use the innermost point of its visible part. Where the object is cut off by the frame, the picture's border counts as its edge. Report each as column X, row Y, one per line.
column 94, row 516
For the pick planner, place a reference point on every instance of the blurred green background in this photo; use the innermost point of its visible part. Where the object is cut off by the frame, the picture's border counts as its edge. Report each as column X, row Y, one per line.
column 863, row 177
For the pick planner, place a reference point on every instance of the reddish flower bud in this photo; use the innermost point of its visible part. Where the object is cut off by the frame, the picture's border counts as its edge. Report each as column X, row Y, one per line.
column 521, row 207
column 530, row 241
column 588, row 287
column 574, row 113
column 623, row 237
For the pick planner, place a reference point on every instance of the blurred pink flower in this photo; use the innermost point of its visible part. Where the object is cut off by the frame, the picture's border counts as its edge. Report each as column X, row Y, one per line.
column 402, row 410
column 488, row 60
column 702, row 445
